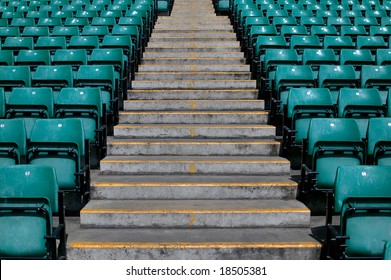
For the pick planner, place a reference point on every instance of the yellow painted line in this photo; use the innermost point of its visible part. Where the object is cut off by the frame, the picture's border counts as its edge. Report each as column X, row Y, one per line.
column 192, row 143
column 183, row 184
column 193, row 211
column 194, row 245
column 193, row 161
column 194, row 113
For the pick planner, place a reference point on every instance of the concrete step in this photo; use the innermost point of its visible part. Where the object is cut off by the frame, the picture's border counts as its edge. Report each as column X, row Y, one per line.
column 195, row 165
column 208, row 43
column 203, row 35
column 192, row 244
column 194, row 61
column 194, row 84
column 191, row 187
column 193, row 30
column 194, row 131
column 192, row 39
column 210, row 49
column 191, row 94
column 182, row 67
column 194, row 213
column 194, row 117
column 192, row 75
column 194, row 55
column 192, row 147
column 199, row 105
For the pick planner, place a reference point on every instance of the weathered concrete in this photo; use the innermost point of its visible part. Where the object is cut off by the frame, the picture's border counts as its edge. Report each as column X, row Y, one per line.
column 194, row 84
column 194, row 69
column 194, row 75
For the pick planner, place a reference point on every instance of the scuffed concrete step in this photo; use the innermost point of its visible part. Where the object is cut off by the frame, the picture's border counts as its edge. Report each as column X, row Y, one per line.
column 194, row 213
column 191, row 39
column 216, row 70
column 192, row 55
column 193, row 105
column 192, row 94
column 194, row 131
column 194, row 29
column 194, row 61
column 195, row 165
column 191, row 75
column 192, row 147
column 189, row 48
column 194, row 84
column 209, row 43
column 204, row 35
column 195, row 117
column 194, row 244
column 191, row 187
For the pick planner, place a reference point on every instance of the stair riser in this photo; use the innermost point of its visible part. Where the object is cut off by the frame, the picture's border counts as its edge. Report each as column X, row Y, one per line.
column 194, row 61
column 189, row 168
column 195, row 254
column 189, row 149
column 204, row 35
column 183, row 105
column 193, row 192
column 194, row 132
column 193, row 118
column 193, row 30
column 192, row 94
column 192, row 49
column 209, row 43
column 189, row 39
column 192, row 55
column 145, row 76
column 193, row 68
column 195, row 220
column 195, row 84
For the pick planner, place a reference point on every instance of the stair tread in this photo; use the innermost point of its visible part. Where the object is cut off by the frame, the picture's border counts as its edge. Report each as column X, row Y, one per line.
column 276, row 159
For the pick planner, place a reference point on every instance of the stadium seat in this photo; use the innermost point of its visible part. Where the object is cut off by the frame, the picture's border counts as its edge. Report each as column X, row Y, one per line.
column 29, row 198
column 49, row 22
column 337, row 43
column 353, row 31
column 99, row 31
column 357, row 58
column 383, row 57
column 365, row 22
column 30, row 104
column 379, row 140
column 62, row 15
column 361, row 105
column 65, row 31
column 300, row 43
column 362, row 197
column 21, row 23
column 372, row 43
column 104, row 21
column 74, row 58
column 289, row 30
column 13, row 141
column 86, row 104
column 384, row 31
column 18, row 43
column 6, row 58
column 78, row 22
column 376, row 77
column 8, row 32
column 330, row 143
column 33, row 58
column 89, row 43
column 60, row 143
column 337, row 77
column 51, row 43
column 322, row 31
column 55, row 77
column 317, row 57
column 275, row 57
column 304, row 104
column 14, row 76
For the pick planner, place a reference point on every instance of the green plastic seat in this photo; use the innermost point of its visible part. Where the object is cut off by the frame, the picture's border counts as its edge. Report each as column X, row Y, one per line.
column 262, row 44
column 89, row 43
column 337, row 43
column 86, row 14
column 49, row 22
column 325, row 13
column 109, row 22
column 134, row 33
column 378, row 14
column 86, row 105
column 18, row 43
column 362, row 197
column 330, row 143
column 35, row 32
column 117, row 7
column 372, row 43
column 338, row 22
column 137, row 21
column 79, row 22
column 74, row 58
column 387, row 251
column 376, row 77
column 14, row 76
column 21, row 23
column 72, row 8
column 317, row 57
column 36, row 15
column 30, row 104
column 51, row 43
column 278, row 22
column 288, row 77
column 6, row 58
column 386, row 21
column 300, row 43
column 309, row 22
column 13, row 141
column 353, row 31
column 322, row 31
column 29, row 198
column 275, row 57
column 65, row 31
column 351, row 14
column 383, row 57
column 99, row 31
column 50, row 8
column 55, row 77
column 8, row 32
column 114, row 11
column 288, row 31
column 379, row 140
column 94, row 8
column 301, row 13
column 336, row 77
column 253, row 21
column 304, row 104
column 257, row 31
column 60, row 144
column 33, row 58
column 62, row 15
column 273, row 13
column 356, row 58
column 383, row 31
column 361, row 105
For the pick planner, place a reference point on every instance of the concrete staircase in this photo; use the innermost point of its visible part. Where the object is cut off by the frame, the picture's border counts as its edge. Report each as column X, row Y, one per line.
column 193, row 170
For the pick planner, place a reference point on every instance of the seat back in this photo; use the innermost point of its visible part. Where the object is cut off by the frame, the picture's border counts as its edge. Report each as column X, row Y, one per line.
column 387, row 251
column 14, row 76
column 379, row 141
column 359, row 190
column 12, row 141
